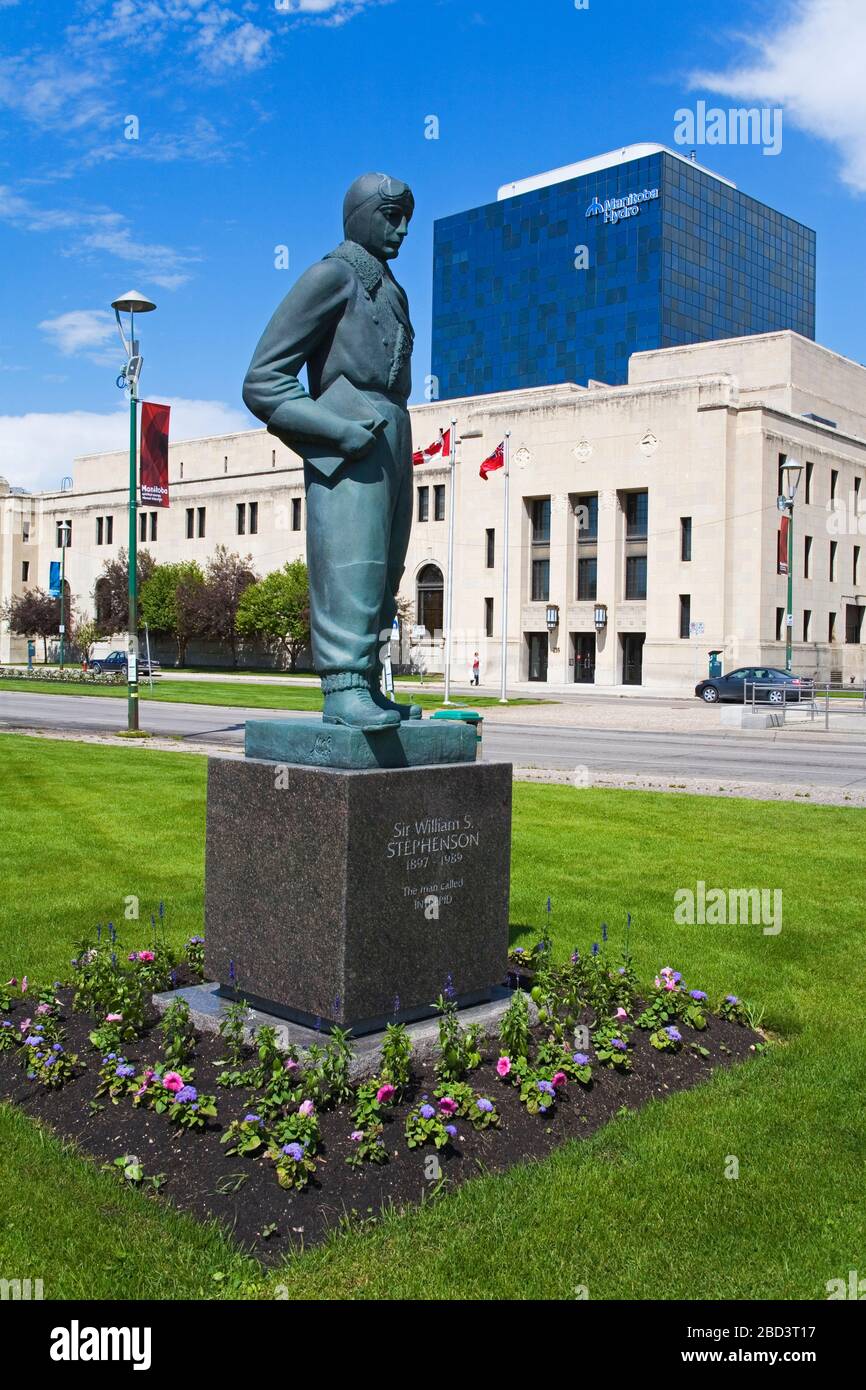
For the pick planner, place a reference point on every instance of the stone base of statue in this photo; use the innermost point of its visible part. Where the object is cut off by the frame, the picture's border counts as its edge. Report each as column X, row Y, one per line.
column 350, row 897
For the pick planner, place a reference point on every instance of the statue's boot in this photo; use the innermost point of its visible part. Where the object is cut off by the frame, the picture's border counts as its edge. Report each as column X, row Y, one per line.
column 383, row 702
column 349, row 700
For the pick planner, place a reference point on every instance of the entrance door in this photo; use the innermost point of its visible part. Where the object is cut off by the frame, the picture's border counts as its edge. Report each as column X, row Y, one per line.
column 537, row 655
column 632, row 657
column 584, row 657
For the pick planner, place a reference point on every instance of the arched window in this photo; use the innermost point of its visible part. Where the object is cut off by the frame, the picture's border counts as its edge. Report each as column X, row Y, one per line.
column 430, row 599
column 102, row 594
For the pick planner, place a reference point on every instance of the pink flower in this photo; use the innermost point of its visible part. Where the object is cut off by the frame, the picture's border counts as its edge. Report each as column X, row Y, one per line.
column 146, row 955
column 385, row 1094
column 670, row 984
column 24, row 984
column 448, row 1106
column 12, row 984
column 356, row 1136
column 559, row 1078
column 621, row 1014
column 114, row 1018
column 290, row 1064
column 306, row 1107
column 43, row 1009
column 24, row 1025
column 503, row 1066
column 173, row 1081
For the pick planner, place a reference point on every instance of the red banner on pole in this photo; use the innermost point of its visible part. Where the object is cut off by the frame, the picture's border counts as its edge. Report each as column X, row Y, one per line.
column 783, row 545
column 154, row 454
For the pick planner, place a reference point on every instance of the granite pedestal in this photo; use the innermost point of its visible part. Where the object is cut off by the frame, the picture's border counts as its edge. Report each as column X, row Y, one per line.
column 356, row 897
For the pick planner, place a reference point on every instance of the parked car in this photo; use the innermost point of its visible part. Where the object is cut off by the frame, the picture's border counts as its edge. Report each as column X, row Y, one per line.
column 116, row 661
column 773, row 685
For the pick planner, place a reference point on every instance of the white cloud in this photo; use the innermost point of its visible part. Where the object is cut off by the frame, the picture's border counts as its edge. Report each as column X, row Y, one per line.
column 37, row 450
column 81, row 331
column 810, row 62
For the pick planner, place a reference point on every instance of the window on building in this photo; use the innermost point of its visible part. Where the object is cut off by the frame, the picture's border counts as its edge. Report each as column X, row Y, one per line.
column 831, row 627
column 853, row 622
column 430, row 591
column 685, row 614
column 25, row 571
column 254, row 518
column 423, row 504
column 685, row 538
column 439, row 502
column 587, row 578
column 63, row 528
column 636, row 515
column 488, row 617
column 225, row 463
column 857, row 482
column 635, row 576
column 296, row 513
column 109, row 530
column 810, row 468
column 202, row 521
column 807, row 557
column 780, row 624
column 856, row 565
column 100, row 527
column 273, row 458
column 834, row 546
column 181, row 470
column 490, row 546
column 190, row 523
column 807, row 624
column 780, row 484
column 834, row 481
column 539, row 581
column 153, row 517
column 142, row 526
column 586, row 512
column 241, row 518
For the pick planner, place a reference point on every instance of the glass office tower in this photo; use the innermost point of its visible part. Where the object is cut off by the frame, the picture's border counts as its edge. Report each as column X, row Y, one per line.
column 576, row 270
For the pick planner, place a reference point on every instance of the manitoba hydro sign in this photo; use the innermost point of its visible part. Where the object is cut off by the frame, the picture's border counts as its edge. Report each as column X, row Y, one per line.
column 615, row 209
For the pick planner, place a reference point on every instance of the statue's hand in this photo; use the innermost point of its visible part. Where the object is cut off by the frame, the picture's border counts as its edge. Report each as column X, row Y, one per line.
column 356, row 439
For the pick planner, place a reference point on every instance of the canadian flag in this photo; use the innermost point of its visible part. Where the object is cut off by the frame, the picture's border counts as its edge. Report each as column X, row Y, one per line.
column 496, row 460
column 441, row 446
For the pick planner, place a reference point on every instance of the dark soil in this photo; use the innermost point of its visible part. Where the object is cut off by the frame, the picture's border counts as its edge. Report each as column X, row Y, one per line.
column 196, row 1165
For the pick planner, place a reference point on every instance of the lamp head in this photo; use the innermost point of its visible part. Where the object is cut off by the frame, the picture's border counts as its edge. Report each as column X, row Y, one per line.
column 132, row 303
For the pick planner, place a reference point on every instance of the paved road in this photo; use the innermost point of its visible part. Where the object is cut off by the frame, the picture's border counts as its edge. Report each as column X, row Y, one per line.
column 802, row 761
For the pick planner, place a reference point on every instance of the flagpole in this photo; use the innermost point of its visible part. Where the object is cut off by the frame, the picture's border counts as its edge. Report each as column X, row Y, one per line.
column 507, row 455
column 450, row 604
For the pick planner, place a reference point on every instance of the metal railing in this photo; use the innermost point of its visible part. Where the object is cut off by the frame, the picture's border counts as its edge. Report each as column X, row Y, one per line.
column 812, row 700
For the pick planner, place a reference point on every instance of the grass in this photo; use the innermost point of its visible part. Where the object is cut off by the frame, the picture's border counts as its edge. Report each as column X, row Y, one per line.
column 641, row 1210
column 233, row 693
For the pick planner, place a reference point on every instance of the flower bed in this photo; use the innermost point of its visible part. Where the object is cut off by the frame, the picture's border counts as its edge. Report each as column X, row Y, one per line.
column 279, row 1146
column 68, row 676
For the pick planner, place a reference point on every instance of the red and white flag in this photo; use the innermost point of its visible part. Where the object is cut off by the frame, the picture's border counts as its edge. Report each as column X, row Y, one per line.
column 496, row 460
column 441, row 446
column 154, row 454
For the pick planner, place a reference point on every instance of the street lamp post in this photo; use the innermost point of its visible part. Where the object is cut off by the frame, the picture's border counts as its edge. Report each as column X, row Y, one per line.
column 64, row 541
column 132, row 304
column 790, row 475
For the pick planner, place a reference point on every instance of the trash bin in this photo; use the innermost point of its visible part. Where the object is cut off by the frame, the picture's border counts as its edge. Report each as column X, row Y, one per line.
column 715, row 663
column 468, row 716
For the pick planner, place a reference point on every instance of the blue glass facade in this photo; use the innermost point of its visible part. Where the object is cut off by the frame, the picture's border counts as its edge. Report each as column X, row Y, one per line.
column 700, row 260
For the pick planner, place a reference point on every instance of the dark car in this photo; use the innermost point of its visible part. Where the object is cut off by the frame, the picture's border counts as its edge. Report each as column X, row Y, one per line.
column 116, row 661
column 771, row 685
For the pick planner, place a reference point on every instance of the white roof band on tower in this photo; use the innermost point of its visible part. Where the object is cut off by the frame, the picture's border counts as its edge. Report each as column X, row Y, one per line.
column 601, row 161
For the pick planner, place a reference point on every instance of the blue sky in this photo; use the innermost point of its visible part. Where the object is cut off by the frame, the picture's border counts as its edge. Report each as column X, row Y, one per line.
column 254, row 115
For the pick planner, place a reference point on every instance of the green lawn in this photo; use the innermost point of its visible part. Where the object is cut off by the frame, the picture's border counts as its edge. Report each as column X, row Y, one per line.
column 642, row 1209
column 235, row 693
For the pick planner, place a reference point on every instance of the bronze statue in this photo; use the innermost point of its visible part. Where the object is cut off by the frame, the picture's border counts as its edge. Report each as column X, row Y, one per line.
column 347, row 320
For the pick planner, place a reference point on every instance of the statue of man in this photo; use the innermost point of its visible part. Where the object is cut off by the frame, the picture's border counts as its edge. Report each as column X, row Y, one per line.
column 347, row 320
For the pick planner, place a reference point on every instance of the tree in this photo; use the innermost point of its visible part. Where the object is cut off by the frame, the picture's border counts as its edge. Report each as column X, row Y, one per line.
column 83, row 637
column 214, row 605
column 169, row 602
column 35, row 614
column 113, row 605
column 277, row 608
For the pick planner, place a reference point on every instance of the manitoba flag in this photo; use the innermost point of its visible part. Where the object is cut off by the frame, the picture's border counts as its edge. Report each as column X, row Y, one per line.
column 496, row 460
column 442, row 446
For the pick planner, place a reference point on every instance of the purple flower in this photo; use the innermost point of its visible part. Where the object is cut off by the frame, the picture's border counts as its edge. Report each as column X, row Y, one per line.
column 427, row 1112
column 196, row 941
column 543, row 1109
column 618, row 1044
column 252, row 1119
column 294, row 1151
column 575, row 956
column 451, row 1129
column 125, row 1070
column 697, row 994
column 484, row 1105
column 732, row 999
column 32, row 1041
column 186, row 1095
column 595, row 948
column 356, row 1136
column 547, row 1087
column 580, row 1059
column 674, row 1034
